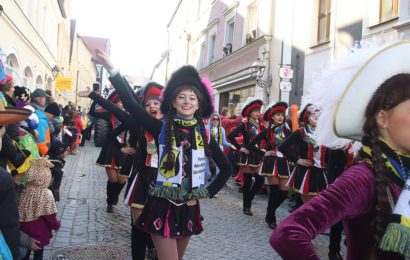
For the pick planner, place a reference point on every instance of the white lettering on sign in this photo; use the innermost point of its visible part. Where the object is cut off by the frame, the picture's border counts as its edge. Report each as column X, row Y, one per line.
column 198, row 168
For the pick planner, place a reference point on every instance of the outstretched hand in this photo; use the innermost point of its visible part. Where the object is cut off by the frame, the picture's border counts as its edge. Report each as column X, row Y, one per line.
column 104, row 59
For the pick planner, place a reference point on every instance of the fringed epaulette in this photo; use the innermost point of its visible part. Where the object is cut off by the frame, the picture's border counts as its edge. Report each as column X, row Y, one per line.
column 175, row 194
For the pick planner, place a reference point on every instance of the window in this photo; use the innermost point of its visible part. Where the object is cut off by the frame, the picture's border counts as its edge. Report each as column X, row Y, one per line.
column 211, row 48
column 388, row 10
column 382, row 10
column 201, row 61
column 229, row 30
column 324, row 21
column 252, row 24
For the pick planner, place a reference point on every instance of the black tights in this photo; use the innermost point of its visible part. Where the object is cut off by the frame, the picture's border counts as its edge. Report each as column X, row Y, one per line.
column 38, row 255
column 140, row 240
column 250, row 191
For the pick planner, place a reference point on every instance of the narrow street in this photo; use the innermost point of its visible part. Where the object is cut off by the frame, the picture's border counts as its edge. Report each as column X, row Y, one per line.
column 228, row 234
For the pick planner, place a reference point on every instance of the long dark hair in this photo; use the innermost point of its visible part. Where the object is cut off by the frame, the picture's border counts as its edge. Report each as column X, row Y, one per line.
column 391, row 93
column 169, row 132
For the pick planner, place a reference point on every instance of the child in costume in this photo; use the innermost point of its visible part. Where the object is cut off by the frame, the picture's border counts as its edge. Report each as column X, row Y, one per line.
column 37, row 208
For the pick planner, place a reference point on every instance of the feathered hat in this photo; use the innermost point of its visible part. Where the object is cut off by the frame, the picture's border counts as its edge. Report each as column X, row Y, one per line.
column 345, row 89
column 272, row 109
column 188, row 75
column 151, row 90
column 250, row 104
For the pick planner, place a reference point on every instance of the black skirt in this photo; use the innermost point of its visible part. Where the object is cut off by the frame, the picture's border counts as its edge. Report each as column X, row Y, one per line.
column 138, row 191
column 251, row 160
column 308, row 180
column 275, row 166
column 110, row 156
column 162, row 217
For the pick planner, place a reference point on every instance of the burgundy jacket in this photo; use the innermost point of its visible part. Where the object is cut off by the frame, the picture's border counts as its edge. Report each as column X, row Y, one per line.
column 41, row 228
column 350, row 198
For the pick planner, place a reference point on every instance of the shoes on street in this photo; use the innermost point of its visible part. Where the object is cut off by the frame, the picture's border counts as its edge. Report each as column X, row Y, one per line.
column 247, row 211
column 152, row 254
column 335, row 256
column 272, row 225
column 110, row 208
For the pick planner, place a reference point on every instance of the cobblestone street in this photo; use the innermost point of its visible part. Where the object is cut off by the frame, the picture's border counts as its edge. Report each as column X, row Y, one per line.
column 228, row 234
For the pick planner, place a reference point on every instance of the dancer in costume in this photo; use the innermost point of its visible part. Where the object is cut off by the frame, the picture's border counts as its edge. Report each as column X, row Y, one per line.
column 309, row 176
column 275, row 166
column 371, row 196
column 171, row 213
column 249, row 161
column 111, row 157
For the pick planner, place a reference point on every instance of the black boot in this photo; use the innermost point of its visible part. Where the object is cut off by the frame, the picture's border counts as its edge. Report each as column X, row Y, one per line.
column 246, row 189
column 335, row 240
column 270, row 211
column 117, row 190
column 111, row 197
column 335, row 256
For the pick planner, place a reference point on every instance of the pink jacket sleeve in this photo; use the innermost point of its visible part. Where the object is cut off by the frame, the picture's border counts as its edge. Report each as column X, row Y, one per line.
column 352, row 194
column 52, row 221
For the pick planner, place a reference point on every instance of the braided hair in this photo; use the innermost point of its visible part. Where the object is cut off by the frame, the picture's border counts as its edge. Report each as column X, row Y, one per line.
column 391, row 93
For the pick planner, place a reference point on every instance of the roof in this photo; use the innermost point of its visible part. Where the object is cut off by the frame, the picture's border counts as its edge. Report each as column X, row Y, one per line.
column 93, row 43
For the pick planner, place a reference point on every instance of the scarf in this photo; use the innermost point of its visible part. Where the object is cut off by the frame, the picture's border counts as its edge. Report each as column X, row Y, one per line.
column 216, row 133
column 396, row 237
column 316, row 153
column 278, row 133
column 186, row 180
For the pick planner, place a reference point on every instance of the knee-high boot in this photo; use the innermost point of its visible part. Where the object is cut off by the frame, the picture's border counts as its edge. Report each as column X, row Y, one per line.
column 270, row 211
column 247, row 202
column 117, row 191
column 111, row 193
column 256, row 186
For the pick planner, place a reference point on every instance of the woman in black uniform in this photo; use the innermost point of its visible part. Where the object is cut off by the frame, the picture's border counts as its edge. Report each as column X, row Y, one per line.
column 249, row 161
column 275, row 166
column 111, row 157
column 171, row 213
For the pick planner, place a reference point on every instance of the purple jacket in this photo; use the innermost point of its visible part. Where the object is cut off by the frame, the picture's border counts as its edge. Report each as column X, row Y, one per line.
column 350, row 198
column 40, row 229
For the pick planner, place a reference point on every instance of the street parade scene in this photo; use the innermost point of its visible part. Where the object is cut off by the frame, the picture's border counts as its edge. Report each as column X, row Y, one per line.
column 204, row 129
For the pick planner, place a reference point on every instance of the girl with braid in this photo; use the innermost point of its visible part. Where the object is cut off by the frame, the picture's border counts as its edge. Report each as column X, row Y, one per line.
column 372, row 195
column 275, row 166
column 171, row 212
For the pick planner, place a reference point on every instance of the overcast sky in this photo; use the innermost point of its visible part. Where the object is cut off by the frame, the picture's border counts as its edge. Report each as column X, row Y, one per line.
column 136, row 28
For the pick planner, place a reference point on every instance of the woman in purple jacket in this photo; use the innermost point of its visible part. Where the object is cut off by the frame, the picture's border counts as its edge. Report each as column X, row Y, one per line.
column 370, row 197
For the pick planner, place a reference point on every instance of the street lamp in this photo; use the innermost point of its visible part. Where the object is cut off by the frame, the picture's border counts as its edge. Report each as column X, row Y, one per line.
column 55, row 70
column 258, row 69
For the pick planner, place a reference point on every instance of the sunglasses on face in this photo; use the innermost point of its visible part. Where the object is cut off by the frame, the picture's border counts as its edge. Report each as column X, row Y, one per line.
column 215, row 119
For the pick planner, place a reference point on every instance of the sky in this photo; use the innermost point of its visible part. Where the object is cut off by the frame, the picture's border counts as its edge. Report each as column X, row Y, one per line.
column 136, row 28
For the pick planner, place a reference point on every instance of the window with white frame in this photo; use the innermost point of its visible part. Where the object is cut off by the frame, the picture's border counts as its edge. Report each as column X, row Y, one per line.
column 323, row 32
column 252, row 23
column 229, row 30
column 211, row 48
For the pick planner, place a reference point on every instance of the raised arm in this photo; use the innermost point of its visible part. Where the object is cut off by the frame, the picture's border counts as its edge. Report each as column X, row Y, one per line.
column 225, row 143
column 102, row 115
column 141, row 116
